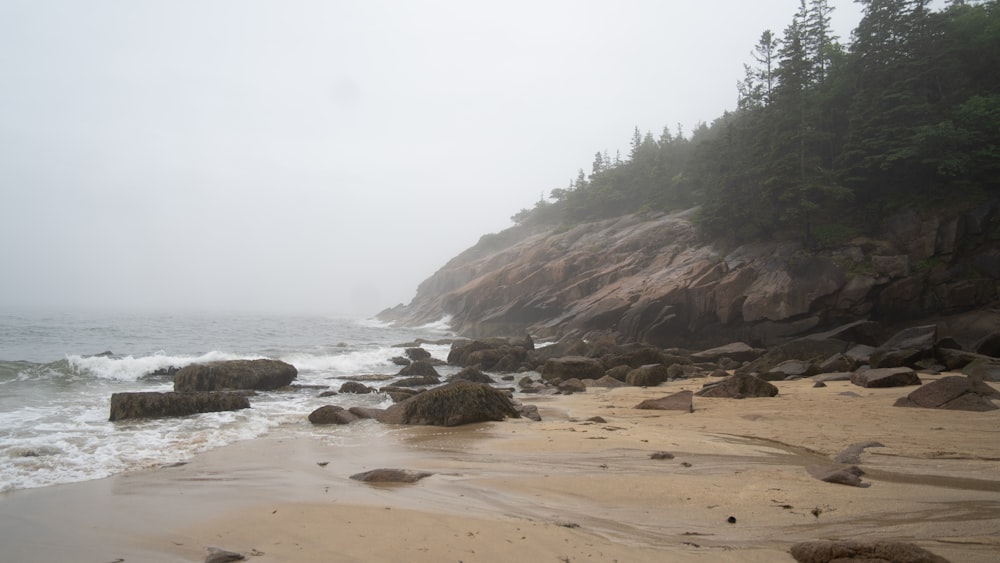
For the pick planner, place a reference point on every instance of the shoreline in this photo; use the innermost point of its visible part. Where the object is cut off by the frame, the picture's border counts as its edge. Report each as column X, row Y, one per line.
column 564, row 488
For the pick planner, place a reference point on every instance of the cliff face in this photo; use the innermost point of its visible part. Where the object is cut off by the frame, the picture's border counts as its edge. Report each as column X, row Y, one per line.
column 650, row 279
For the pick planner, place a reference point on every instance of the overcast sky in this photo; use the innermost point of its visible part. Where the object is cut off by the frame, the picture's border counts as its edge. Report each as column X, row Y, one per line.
column 321, row 156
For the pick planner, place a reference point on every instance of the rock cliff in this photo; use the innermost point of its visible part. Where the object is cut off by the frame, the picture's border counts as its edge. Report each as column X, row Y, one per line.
column 650, row 278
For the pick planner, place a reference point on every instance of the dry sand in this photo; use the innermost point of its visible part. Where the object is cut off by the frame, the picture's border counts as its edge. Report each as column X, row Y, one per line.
column 563, row 489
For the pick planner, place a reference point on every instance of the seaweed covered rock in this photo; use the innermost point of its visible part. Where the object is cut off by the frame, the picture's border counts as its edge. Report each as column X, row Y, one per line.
column 456, row 403
column 151, row 404
column 262, row 375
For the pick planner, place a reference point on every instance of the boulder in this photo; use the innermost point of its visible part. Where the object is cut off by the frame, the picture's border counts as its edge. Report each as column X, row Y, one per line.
column 989, row 345
column 987, row 370
column 332, row 414
column 415, row 354
column 789, row 369
column 838, row 475
column 885, row 377
column 400, row 361
column 472, row 374
column 452, row 404
column 262, row 375
column 390, row 476
column 680, row 401
column 419, row 368
column 558, row 369
column 952, row 393
column 739, row 386
column 528, row 411
column 366, row 413
column 635, row 358
column 356, row 388
column 418, row 381
column 906, row 347
column 737, row 351
column 571, row 385
column 398, row 394
column 151, row 404
column 823, row 551
column 607, row 381
column 647, row 376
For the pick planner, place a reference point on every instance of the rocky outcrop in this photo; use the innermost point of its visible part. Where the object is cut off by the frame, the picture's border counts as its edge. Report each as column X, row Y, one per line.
column 650, row 278
column 151, row 404
column 453, row 404
column 873, row 551
column 262, row 375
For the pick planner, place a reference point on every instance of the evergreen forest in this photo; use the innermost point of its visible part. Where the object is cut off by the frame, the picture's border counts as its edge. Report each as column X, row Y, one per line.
column 826, row 138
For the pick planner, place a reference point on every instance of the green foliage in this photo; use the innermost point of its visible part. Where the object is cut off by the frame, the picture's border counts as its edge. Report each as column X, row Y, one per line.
column 832, row 235
column 907, row 114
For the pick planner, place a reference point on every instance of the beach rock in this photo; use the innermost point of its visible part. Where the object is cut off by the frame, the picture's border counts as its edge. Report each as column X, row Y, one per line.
column 472, row 374
column 737, row 351
column 955, row 359
column 680, row 401
column 636, row 358
column 647, row 376
column 987, row 370
column 571, row 385
column 216, row 555
column 607, row 381
column 488, row 352
column 421, row 368
column 151, row 404
column 452, row 404
column 331, row 414
column 739, row 386
column 852, row 454
column 838, row 475
column 528, row 411
column 415, row 354
column 989, row 345
column 356, row 388
column 906, row 347
column 263, row 375
column 789, row 369
column 952, row 393
column 400, row 361
column 366, row 413
column 398, row 394
column 558, row 369
column 846, row 551
column 390, row 476
column 661, row 455
column 885, row 377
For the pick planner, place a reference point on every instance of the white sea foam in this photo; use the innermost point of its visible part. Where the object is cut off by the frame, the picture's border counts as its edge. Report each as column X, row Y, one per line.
column 130, row 368
column 441, row 325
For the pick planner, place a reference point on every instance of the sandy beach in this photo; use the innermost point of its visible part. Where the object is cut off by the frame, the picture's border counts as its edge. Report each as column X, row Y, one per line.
column 564, row 489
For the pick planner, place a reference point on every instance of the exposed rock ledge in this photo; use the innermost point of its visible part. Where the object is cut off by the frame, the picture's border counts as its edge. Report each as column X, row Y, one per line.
column 650, row 279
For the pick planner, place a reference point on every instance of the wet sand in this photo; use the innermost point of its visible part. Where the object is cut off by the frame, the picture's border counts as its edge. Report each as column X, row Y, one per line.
column 563, row 489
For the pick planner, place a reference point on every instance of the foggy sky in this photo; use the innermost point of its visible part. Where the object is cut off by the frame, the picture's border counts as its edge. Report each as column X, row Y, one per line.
column 321, row 156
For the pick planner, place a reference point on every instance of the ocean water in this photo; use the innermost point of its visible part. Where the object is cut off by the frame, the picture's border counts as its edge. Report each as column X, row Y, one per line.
column 58, row 371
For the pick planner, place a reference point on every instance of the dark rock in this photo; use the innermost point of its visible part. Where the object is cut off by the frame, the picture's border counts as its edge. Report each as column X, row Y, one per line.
column 216, row 555
column 421, row 368
column 635, row 358
column 597, row 419
column 558, row 369
column 356, row 388
column 847, row 551
column 860, row 354
column 739, row 386
column 331, row 414
column 989, row 345
column 572, row 385
column 789, row 369
column 453, row 404
column 261, row 375
column 906, row 347
column 417, row 354
column 837, row 363
column 680, row 401
column 852, row 454
column 837, row 475
column 168, row 371
column 736, row 351
column 619, row 372
column 390, row 476
column 835, row 376
column 858, row 332
column 987, row 370
column 151, row 404
column 952, row 393
column 647, row 376
column 401, row 361
column 472, row 374
column 398, row 394
column 661, row 455
column 885, row 377
column 954, row 359
column 819, row 384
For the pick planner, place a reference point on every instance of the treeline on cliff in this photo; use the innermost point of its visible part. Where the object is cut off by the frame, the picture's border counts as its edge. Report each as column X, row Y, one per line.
column 826, row 138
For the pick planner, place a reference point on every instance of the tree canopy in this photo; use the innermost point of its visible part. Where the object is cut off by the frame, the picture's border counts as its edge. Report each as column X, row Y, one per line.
column 824, row 135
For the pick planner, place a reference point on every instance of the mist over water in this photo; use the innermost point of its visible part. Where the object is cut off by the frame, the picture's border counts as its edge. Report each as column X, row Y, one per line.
column 56, row 382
